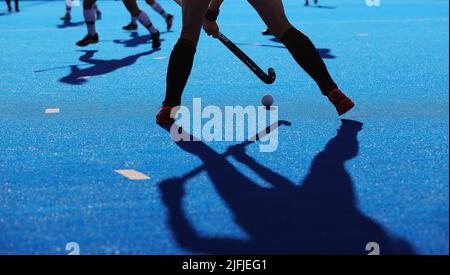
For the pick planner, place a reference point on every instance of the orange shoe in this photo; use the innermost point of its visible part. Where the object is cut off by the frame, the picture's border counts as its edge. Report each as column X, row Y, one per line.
column 341, row 102
column 163, row 116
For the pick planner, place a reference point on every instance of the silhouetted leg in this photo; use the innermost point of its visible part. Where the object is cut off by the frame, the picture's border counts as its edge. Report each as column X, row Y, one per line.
column 182, row 57
column 8, row 3
column 172, row 191
column 298, row 44
column 268, row 175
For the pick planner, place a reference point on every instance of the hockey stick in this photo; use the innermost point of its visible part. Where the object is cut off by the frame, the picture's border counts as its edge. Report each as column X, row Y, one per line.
column 266, row 78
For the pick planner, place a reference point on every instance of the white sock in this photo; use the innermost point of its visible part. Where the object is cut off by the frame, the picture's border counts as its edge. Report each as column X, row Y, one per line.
column 157, row 7
column 145, row 20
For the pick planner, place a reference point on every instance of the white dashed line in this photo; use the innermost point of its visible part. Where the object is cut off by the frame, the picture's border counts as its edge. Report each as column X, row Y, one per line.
column 52, row 111
column 132, row 174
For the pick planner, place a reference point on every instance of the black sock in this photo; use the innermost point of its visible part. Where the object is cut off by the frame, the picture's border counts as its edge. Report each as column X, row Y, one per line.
column 306, row 55
column 180, row 66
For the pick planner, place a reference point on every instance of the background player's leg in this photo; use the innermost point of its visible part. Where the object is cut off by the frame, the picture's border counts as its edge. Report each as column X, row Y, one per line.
column 143, row 18
column 89, row 17
column 98, row 13
column 68, row 16
column 16, row 4
column 8, row 3
column 157, row 7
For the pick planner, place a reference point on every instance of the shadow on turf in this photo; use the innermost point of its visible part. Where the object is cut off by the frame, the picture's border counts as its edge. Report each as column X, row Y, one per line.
column 135, row 40
column 324, row 53
column 318, row 216
column 79, row 76
column 323, row 7
column 68, row 24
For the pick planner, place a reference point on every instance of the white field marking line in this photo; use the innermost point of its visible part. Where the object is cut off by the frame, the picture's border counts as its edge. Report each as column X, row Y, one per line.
column 160, row 58
column 52, row 111
column 132, row 174
column 368, row 21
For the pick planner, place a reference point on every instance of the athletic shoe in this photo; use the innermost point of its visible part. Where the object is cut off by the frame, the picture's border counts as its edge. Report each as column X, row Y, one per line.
column 88, row 39
column 66, row 18
column 169, row 22
column 99, row 14
column 267, row 32
column 130, row 27
column 341, row 102
column 163, row 116
column 156, row 41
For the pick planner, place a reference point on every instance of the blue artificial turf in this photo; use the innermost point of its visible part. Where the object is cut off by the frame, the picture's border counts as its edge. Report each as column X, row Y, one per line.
column 57, row 179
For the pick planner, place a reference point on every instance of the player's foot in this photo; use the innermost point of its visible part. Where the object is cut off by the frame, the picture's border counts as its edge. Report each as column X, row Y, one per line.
column 99, row 14
column 163, row 117
column 267, row 32
column 130, row 27
column 169, row 22
column 88, row 39
column 66, row 18
column 341, row 102
column 156, row 41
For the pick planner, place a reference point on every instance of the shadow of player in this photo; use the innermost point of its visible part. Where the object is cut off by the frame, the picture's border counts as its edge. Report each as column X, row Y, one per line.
column 322, row 7
column 324, row 53
column 79, row 76
column 68, row 24
column 319, row 216
column 135, row 40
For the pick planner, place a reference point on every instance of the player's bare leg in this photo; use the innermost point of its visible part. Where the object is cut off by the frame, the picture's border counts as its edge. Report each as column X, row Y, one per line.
column 302, row 49
column 182, row 57
column 143, row 18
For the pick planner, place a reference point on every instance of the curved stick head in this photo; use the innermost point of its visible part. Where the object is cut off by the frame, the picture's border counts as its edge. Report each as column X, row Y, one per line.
column 272, row 76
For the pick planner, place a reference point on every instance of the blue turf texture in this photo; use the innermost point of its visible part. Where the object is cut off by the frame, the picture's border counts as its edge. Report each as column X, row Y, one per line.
column 57, row 179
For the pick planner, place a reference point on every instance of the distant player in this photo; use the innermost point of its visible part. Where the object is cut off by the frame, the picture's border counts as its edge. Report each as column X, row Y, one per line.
column 156, row 7
column 16, row 5
column 68, row 15
column 307, row 2
column 272, row 13
column 131, row 5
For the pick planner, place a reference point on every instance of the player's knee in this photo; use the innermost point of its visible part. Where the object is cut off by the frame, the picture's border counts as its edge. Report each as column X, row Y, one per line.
column 185, row 45
column 191, row 36
column 280, row 29
column 87, row 5
column 150, row 2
